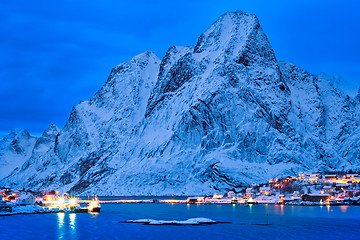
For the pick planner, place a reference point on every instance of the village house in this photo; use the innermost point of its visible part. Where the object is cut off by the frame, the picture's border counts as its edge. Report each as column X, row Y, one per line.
column 5, row 207
column 330, row 178
column 351, row 176
column 217, row 196
column 315, row 197
column 231, row 194
column 249, row 193
column 328, row 189
column 26, row 199
column 356, row 179
column 193, row 200
column 295, row 195
column 11, row 196
column 313, row 178
column 342, row 186
column 265, row 190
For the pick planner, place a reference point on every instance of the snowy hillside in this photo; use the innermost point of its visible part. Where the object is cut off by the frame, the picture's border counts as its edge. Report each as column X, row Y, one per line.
column 218, row 115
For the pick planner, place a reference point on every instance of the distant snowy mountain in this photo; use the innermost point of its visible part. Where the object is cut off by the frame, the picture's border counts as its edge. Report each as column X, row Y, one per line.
column 15, row 149
column 18, row 146
column 349, row 87
column 215, row 116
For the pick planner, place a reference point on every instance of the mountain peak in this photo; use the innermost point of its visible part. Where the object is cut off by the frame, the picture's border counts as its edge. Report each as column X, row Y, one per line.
column 20, row 132
column 145, row 55
column 51, row 131
column 229, row 26
column 140, row 60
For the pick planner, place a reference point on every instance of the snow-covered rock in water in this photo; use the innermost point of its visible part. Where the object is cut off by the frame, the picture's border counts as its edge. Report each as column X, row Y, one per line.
column 190, row 221
column 215, row 116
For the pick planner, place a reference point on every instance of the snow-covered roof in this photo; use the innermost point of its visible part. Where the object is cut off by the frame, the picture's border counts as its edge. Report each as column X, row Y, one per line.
column 25, row 196
column 318, row 195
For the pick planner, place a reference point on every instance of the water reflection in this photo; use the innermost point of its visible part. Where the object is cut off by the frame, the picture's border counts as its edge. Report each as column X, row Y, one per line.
column 61, row 219
column 250, row 208
column 94, row 214
column 72, row 220
column 279, row 209
column 343, row 208
column 72, row 217
column 328, row 208
column 66, row 226
column 61, row 227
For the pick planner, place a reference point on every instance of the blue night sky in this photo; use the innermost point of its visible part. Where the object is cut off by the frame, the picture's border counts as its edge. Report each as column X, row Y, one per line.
column 55, row 54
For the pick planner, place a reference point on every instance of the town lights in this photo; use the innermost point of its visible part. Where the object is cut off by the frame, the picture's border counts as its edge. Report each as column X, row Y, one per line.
column 217, row 196
column 61, row 200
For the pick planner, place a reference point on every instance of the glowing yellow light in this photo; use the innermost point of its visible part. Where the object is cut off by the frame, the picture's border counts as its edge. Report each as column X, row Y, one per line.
column 218, row 196
column 94, row 204
column 61, row 200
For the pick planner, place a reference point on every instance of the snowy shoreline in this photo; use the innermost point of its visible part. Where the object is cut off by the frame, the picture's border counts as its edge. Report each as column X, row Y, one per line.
column 33, row 209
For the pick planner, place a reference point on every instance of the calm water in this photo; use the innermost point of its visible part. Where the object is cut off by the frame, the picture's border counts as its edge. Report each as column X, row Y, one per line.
column 287, row 222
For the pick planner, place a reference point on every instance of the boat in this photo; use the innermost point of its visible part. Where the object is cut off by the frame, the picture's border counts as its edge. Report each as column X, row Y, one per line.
column 94, row 205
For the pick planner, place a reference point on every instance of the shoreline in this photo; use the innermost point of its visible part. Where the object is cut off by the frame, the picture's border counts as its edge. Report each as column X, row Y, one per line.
column 207, row 203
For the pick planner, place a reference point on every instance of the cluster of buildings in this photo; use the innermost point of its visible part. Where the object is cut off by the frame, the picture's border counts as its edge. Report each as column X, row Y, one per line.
column 22, row 201
column 16, row 199
column 20, row 197
column 305, row 189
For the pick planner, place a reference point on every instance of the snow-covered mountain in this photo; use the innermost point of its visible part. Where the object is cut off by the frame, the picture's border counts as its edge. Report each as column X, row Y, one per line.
column 218, row 115
column 15, row 149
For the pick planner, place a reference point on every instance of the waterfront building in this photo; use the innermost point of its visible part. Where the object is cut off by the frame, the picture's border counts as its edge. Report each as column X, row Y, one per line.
column 315, row 197
column 26, row 199
column 4, row 207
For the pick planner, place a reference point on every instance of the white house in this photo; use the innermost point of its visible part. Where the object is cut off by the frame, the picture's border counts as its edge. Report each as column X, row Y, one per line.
column 231, row 194
column 26, row 198
column 249, row 193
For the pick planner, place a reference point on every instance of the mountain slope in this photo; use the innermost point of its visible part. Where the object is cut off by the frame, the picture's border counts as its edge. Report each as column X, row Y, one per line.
column 218, row 115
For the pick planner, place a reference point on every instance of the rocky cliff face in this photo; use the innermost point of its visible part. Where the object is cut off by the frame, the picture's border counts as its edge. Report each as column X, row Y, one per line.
column 218, row 115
